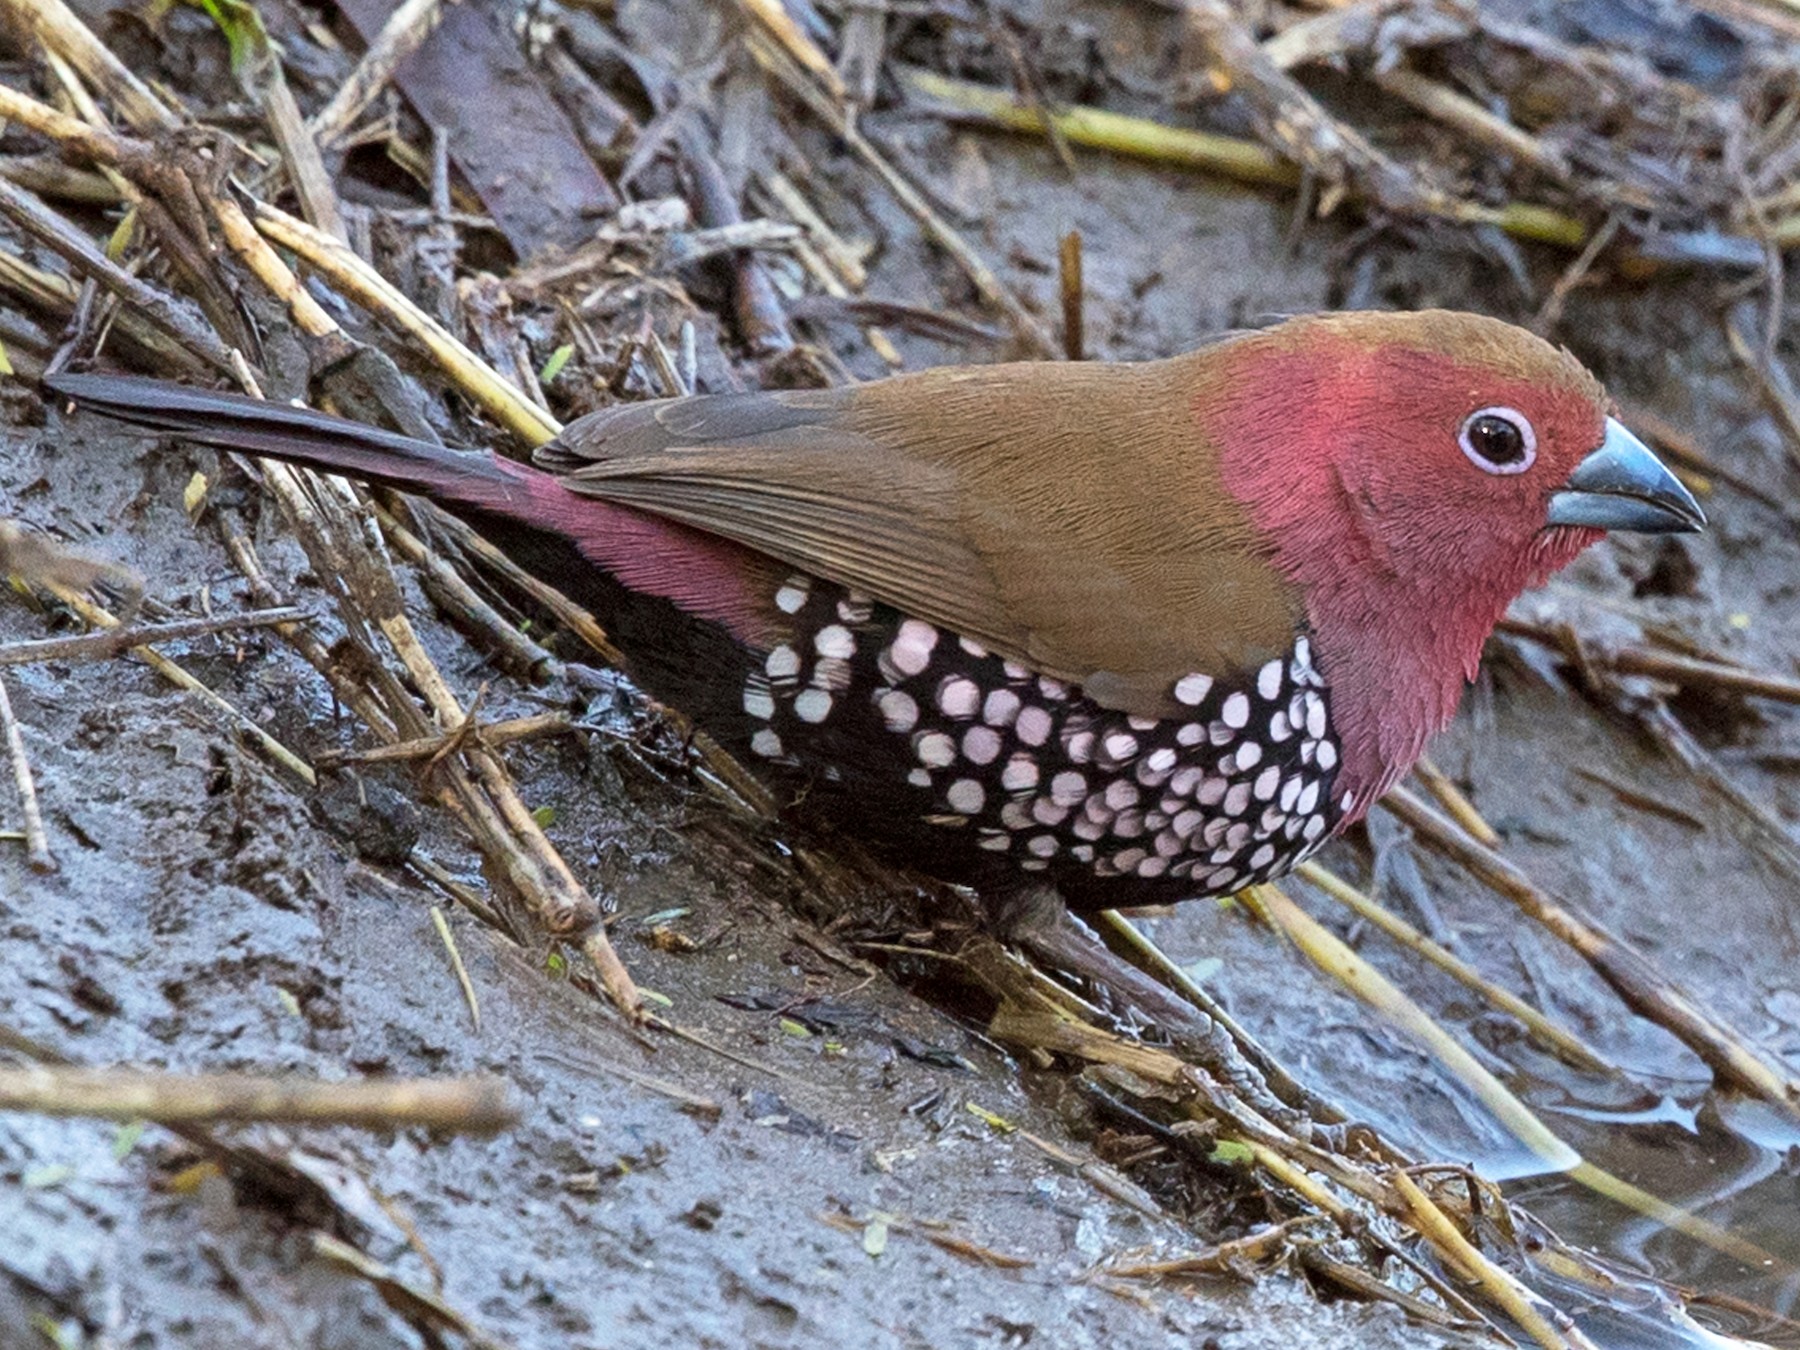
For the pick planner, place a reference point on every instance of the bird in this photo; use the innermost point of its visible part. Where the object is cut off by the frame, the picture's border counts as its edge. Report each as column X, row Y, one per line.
column 1123, row 633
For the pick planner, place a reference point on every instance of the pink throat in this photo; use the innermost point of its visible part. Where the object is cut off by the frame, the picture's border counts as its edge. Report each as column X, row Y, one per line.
column 1396, row 641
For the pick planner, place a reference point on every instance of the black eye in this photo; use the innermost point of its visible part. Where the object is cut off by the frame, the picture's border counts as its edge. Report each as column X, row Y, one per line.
column 1498, row 440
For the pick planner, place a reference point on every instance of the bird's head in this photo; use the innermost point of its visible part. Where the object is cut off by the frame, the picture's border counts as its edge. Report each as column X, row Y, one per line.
column 1413, row 473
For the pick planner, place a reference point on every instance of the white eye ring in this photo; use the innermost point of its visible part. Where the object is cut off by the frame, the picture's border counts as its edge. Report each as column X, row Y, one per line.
column 1525, row 447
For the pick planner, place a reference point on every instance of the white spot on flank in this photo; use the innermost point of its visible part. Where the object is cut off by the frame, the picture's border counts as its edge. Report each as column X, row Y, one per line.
column 1141, row 723
column 1020, row 774
column 1068, row 788
column 1212, row 792
column 790, row 599
column 1327, row 754
column 1237, row 799
column 1015, row 671
column 1162, row 759
column 1263, row 856
column 1126, row 860
column 912, row 647
column 1033, row 726
column 1280, row 728
column 974, row 649
column 995, row 843
column 1079, row 746
column 919, row 778
column 981, row 745
column 934, row 749
column 1315, row 716
column 1268, row 680
column 1187, row 822
column 1191, row 733
column 1120, row 794
column 1055, row 690
column 832, row 673
column 766, row 743
column 1016, row 816
column 1315, row 826
column 1290, row 793
column 1044, row 845
column 1266, row 783
column 1309, row 798
column 1236, row 712
column 1120, row 746
column 783, row 663
column 812, row 705
column 1185, row 781
column 1000, row 708
column 835, row 640
column 966, row 795
column 1152, row 867
column 758, row 702
column 1128, row 824
column 1046, row 812
column 958, row 697
column 1193, row 689
column 1249, row 755
column 898, row 709
column 855, row 608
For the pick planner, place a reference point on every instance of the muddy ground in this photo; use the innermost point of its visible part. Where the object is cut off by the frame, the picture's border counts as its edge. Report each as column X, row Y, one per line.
column 210, row 913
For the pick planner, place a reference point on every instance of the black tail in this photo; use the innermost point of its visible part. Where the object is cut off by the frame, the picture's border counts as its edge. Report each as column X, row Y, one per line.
column 301, row 436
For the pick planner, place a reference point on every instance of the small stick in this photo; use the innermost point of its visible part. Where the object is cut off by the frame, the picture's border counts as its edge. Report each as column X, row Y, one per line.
column 1568, row 1047
column 493, row 734
column 175, row 675
column 1519, row 1303
column 420, row 1303
column 37, row 220
column 58, row 30
column 448, row 938
column 1068, row 256
column 1685, row 671
column 1641, row 985
column 403, row 34
column 111, row 641
column 466, row 1105
column 1450, row 797
column 37, row 843
column 1029, row 329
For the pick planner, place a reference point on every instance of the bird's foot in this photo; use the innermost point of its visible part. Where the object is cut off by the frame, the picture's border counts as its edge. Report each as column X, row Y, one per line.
column 1038, row 922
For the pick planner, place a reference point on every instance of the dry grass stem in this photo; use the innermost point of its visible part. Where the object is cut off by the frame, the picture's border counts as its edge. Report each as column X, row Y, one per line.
column 1562, row 1042
column 37, row 843
column 1643, row 988
column 403, row 33
column 461, row 1105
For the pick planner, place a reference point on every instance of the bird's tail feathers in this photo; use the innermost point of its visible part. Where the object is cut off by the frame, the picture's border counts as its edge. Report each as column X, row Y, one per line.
column 302, row 436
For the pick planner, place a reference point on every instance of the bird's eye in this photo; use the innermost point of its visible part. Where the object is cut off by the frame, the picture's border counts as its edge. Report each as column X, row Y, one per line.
column 1498, row 440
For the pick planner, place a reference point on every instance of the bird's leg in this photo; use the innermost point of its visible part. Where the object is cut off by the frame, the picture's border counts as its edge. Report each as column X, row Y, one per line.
column 1036, row 920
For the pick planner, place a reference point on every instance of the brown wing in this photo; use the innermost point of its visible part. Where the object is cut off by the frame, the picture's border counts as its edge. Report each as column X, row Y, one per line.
column 1066, row 516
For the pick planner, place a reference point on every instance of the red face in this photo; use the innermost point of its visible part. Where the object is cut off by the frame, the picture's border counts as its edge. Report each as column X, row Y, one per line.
column 1404, row 470
column 1420, row 452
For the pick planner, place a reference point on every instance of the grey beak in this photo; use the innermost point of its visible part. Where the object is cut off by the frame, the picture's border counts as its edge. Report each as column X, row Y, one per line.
column 1622, row 486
